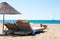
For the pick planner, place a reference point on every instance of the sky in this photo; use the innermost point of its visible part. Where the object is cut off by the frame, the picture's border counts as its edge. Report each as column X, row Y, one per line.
column 34, row 9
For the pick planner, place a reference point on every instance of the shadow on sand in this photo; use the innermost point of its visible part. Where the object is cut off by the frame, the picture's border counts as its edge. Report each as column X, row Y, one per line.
column 14, row 35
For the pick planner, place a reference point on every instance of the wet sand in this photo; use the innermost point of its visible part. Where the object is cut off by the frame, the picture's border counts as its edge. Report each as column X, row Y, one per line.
column 51, row 33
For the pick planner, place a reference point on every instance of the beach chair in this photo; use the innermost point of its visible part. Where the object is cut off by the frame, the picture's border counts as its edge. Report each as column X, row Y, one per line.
column 11, row 28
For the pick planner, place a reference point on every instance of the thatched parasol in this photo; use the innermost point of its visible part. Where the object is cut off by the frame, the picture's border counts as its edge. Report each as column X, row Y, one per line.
column 5, row 8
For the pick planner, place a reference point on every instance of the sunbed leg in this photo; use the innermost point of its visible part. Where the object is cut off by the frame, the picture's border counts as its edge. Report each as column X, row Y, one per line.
column 6, row 33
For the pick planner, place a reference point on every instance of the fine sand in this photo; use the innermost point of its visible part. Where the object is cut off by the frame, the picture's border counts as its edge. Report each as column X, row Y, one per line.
column 51, row 33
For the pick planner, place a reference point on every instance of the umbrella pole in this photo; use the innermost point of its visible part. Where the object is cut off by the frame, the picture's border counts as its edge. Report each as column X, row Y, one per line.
column 3, row 24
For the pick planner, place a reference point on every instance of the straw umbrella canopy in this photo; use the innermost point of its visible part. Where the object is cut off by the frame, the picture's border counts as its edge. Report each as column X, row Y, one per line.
column 5, row 8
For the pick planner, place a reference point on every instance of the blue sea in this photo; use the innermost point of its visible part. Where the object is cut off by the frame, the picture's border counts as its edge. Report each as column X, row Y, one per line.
column 36, row 21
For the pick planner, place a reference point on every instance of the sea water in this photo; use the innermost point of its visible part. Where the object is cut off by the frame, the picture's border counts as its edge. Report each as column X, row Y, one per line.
column 35, row 21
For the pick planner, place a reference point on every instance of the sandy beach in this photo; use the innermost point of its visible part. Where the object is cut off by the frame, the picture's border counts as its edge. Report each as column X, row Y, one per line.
column 51, row 33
